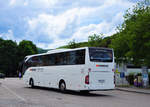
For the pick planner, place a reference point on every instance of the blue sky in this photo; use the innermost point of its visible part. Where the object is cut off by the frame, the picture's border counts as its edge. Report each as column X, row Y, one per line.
column 53, row 23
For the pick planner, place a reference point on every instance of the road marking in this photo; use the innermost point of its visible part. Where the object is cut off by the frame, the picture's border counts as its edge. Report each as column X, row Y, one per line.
column 12, row 92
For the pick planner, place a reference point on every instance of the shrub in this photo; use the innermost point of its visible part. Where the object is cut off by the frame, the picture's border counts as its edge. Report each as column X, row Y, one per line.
column 149, row 77
column 139, row 74
column 130, row 78
column 1, row 71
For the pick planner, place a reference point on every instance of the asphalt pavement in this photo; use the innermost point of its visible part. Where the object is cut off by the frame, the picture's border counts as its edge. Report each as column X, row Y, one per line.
column 134, row 89
column 13, row 93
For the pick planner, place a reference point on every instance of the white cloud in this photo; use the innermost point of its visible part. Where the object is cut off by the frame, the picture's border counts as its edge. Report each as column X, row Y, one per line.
column 56, row 44
column 8, row 35
column 107, row 28
column 53, row 26
column 12, row 2
column 52, row 23
column 42, row 3
column 82, row 33
column 33, row 3
column 47, row 25
column 25, row 3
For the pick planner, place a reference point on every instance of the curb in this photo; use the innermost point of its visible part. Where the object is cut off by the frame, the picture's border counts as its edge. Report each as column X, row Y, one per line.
column 135, row 91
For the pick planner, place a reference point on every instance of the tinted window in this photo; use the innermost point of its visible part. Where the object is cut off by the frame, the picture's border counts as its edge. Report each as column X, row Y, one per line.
column 44, row 60
column 68, row 58
column 75, row 57
column 80, row 57
column 72, row 58
column 59, row 59
column 29, row 63
column 51, row 59
column 64, row 58
column 34, row 61
column 100, row 55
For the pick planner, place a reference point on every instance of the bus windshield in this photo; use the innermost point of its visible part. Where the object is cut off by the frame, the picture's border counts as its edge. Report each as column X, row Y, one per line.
column 100, row 55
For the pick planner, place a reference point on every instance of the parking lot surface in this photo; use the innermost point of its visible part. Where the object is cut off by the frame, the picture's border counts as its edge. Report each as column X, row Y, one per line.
column 13, row 93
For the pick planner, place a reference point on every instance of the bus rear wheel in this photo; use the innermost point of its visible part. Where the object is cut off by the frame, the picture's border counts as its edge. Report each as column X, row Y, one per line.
column 31, row 83
column 62, row 86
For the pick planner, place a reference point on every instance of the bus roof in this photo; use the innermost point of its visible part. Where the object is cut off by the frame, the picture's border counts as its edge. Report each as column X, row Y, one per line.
column 53, row 51
column 57, row 50
column 60, row 50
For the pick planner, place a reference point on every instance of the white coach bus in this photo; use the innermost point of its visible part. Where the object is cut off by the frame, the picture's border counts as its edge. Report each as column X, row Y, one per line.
column 81, row 69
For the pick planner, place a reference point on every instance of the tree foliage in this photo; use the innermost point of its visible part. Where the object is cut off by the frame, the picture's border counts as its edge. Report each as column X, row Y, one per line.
column 8, row 57
column 95, row 40
column 26, row 48
column 132, row 42
column 72, row 44
column 11, row 54
column 1, row 40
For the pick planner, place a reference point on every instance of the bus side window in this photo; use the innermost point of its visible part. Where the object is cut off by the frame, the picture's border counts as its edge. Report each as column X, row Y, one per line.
column 72, row 58
column 35, row 61
column 40, row 62
column 44, row 60
column 80, row 57
column 26, row 65
column 51, row 59
column 62, row 59
column 65, row 58
column 57, row 59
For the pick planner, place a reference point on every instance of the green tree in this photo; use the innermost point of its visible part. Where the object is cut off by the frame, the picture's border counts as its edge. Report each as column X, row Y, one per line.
column 95, row 40
column 132, row 42
column 1, row 40
column 106, row 42
column 26, row 48
column 120, row 46
column 72, row 44
column 11, row 54
column 8, row 57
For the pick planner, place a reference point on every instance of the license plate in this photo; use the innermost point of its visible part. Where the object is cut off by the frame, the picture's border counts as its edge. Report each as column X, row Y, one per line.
column 101, row 81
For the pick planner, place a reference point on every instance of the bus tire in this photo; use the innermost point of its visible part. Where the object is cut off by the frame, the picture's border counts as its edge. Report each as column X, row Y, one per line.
column 31, row 83
column 62, row 86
